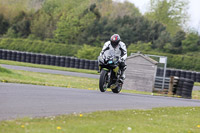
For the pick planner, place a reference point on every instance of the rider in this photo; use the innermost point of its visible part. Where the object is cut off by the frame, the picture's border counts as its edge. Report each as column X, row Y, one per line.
column 119, row 49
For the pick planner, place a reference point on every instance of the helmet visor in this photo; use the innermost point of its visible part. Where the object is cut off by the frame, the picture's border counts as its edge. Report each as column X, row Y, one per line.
column 114, row 43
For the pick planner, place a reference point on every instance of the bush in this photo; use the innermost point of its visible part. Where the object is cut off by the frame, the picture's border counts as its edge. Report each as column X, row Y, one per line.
column 37, row 46
column 133, row 48
column 88, row 52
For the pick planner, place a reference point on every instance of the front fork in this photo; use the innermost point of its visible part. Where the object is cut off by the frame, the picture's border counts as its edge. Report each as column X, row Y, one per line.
column 113, row 74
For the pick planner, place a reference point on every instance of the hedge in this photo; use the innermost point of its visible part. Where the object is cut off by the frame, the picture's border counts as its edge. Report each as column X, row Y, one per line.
column 37, row 46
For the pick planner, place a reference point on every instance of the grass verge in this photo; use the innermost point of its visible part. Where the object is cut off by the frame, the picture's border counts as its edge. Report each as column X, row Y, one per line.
column 47, row 67
column 196, row 94
column 157, row 120
column 35, row 78
column 25, row 77
column 197, row 84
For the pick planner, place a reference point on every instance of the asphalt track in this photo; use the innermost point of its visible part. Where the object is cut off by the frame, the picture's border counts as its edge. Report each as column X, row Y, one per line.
column 22, row 100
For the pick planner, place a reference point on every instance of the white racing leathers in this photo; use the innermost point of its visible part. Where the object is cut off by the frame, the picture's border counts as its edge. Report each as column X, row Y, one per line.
column 119, row 51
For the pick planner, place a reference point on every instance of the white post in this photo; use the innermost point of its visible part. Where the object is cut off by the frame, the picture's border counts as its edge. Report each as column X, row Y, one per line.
column 163, row 60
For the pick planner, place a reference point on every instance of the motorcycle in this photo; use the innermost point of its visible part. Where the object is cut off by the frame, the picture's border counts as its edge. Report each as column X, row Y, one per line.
column 109, row 72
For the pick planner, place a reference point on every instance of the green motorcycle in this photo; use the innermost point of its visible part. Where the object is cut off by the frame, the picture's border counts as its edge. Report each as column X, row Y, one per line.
column 110, row 73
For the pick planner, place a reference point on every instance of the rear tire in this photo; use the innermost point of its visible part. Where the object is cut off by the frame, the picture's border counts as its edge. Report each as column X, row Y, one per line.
column 102, row 81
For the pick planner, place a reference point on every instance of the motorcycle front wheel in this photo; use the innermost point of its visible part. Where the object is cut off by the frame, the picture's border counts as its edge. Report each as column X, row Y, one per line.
column 117, row 89
column 103, row 80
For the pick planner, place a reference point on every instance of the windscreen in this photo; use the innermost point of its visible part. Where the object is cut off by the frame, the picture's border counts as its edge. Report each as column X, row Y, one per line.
column 110, row 54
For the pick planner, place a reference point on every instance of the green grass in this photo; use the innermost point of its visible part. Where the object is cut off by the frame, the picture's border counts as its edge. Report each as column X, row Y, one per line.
column 197, row 84
column 48, row 67
column 25, row 77
column 4, row 70
column 196, row 94
column 157, row 120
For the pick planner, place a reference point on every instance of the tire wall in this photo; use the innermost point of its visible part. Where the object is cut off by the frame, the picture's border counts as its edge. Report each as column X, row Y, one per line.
column 195, row 76
column 184, row 88
column 65, row 61
column 45, row 59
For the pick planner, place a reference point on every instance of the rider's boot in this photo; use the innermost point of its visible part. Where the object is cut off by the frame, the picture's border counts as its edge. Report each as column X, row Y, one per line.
column 122, row 76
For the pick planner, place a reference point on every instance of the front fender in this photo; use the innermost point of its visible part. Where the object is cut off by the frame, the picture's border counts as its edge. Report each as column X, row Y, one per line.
column 116, row 70
column 106, row 69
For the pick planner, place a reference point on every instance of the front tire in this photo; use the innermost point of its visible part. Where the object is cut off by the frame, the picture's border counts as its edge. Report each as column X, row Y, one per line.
column 103, row 81
column 117, row 89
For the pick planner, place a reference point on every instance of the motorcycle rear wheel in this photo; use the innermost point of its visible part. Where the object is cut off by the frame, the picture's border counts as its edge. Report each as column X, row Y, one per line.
column 103, row 81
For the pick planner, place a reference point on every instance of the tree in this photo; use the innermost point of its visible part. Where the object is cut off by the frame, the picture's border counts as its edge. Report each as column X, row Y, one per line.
column 113, row 9
column 72, row 23
column 20, row 26
column 162, row 41
column 11, row 8
column 155, row 31
column 52, row 6
column 177, row 42
column 43, row 25
column 172, row 13
column 191, row 43
column 4, row 24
